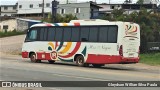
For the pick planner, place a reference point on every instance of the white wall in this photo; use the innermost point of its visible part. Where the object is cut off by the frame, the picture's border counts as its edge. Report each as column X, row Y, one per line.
column 10, row 8
column 12, row 24
column 8, row 12
column 150, row 1
column 36, row 9
column 107, row 7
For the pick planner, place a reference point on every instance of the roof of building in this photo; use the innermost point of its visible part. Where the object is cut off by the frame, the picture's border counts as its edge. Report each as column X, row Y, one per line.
column 91, row 3
column 8, row 5
column 28, row 20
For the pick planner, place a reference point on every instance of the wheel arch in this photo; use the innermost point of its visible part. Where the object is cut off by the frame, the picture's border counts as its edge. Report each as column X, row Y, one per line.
column 30, row 53
column 77, row 56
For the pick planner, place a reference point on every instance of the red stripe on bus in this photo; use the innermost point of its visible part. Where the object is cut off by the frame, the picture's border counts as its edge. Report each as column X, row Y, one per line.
column 25, row 54
column 109, row 59
column 48, row 24
column 56, row 45
column 45, row 57
column 76, row 24
column 102, row 59
column 73, row 52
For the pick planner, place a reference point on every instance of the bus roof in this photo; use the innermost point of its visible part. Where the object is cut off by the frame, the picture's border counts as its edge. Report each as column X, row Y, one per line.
column 82, row 23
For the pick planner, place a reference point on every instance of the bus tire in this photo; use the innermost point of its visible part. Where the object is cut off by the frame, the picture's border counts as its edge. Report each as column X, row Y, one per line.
column 80, row 61
column 33, row 58
column 51, row 61
column 97, row 65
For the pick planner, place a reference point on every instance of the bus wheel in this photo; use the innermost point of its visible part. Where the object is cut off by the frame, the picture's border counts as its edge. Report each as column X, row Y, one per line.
column 80, row 61
column 97, row 65
column 51, row 61
column 33, row 58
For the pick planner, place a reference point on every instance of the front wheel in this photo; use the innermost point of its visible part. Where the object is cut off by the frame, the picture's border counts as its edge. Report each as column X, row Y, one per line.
column 80, row 61
column 51, row 61
column 33, row 58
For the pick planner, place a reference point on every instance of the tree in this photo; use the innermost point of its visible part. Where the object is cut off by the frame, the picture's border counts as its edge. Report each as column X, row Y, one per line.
column 140, row 1
column 59, row 18
column 116, row 14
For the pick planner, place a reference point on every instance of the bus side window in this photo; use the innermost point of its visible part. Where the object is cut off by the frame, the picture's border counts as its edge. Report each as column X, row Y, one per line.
column 43, row 34
column 93, row 34
column 103, row 33
column 67, row 34
column 32, row 35
column 59, row 34
column 51, row 34
column 75, row 34
column 84, row 34
column 112, row 34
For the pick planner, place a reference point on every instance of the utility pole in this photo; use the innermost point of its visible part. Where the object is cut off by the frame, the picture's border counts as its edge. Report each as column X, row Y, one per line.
column 54, row 10
column 42, row 9
column 67, row 2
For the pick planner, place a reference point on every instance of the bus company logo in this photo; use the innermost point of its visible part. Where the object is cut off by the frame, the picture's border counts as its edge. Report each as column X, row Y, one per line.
column 6, row 84
column 130, row 30
column 54, row 55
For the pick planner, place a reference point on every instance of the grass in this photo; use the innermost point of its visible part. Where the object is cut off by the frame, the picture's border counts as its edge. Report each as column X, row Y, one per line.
column 150, row 58
column 10, row 33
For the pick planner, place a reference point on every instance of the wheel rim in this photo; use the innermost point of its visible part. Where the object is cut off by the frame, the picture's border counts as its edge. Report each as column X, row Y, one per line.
column 80, row 61
column 33, row 58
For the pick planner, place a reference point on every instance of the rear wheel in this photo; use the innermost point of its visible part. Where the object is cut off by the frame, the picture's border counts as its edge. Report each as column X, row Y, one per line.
column 33, row 58
column 97, row 65
column 80, row 61
column 51, row 61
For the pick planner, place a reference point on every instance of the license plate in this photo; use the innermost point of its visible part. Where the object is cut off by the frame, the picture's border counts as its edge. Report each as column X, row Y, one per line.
column 131, row 55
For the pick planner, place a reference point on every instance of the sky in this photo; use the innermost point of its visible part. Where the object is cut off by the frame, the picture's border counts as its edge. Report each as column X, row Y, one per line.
column 6, row 2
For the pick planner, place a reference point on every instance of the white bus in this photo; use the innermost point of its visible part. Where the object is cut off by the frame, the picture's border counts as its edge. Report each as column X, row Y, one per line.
column 96, row 42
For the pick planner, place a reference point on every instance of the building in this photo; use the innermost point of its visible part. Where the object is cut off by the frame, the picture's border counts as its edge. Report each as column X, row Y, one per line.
column 159, row 8
column 108, row 8
column 8, row 10
column 8, row 25
column 150, row 1
column 129, row 8
column 87, row 10
column 24, row 24
column 33, row 8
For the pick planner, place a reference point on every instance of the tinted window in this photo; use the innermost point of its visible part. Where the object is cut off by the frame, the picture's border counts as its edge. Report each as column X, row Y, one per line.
column 51, row 34
column 75, row 34
column 103, row 32
column 84, row 33
column 43, row 34
column 67, row 34
column 93, row 35
column 59, row 34
column 112, row 34
column 32, row 35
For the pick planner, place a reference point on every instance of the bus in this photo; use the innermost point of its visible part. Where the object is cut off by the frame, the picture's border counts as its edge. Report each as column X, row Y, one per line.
column 84, row 42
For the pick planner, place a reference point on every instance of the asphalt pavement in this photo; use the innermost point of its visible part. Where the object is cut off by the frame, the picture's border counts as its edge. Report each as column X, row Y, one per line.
column 18, row 69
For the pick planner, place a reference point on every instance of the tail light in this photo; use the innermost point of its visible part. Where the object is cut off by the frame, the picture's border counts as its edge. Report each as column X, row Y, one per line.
column 121, row 50
column 139, row 50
